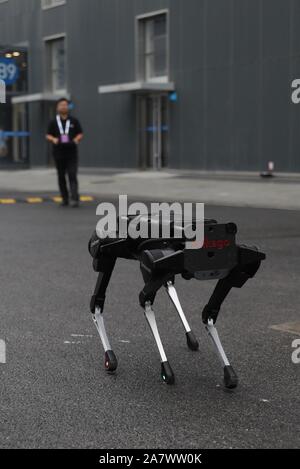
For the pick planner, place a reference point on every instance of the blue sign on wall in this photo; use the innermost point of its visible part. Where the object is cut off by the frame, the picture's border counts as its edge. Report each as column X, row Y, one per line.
column 173, row 97
column 9, row 71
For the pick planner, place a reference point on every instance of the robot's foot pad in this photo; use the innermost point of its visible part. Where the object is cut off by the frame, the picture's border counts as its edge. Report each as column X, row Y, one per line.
column 230, row 378
column 167, row 373
column 111, row 362
column 192, row 342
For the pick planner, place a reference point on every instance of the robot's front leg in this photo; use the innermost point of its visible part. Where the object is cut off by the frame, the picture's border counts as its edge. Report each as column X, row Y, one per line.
column 105, row 268
column 166, row 370
column 230, row 377
column 111, row 362
column 190, row 337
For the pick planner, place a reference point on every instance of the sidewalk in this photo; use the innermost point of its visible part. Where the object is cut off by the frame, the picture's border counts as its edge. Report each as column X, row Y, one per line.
column 232, row 189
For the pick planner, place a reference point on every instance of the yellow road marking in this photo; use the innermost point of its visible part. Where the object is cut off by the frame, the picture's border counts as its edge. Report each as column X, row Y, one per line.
column 7, row 201
column 86, row 198
column 57, row 199
column 40, row 200
column 34, row 200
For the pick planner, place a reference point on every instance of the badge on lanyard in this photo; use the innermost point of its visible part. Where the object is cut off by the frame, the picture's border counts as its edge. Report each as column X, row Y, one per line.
column 64, row 134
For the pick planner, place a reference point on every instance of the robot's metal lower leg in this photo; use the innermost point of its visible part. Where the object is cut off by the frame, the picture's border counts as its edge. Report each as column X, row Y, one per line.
column 190, row 337
column 111, row 362
column 230, row 378
column 166, row 370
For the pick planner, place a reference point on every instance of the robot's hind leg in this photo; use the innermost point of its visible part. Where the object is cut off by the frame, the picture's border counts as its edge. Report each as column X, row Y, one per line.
column 249, row 260
column 230, row 377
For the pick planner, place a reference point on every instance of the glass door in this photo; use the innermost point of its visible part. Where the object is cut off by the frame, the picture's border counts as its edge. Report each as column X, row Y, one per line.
column 153, row 131
column 20, row 134
column 14, row 135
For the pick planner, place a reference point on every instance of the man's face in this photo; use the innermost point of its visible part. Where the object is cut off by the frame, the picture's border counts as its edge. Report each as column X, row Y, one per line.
column 63, row 107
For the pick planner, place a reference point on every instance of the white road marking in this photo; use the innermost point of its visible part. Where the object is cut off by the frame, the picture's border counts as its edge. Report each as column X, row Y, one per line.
column 72, row 343
column 81, row 335
column 2, row 351
column 291, row 327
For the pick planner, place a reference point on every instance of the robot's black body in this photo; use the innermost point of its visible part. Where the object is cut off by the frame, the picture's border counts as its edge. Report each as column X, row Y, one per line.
column 161, row 260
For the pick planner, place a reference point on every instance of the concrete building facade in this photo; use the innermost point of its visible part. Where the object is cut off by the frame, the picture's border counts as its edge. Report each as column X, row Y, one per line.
column 188, row 84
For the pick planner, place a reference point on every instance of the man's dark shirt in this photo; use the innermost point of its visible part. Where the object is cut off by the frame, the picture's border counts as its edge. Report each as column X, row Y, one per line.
column 65, row 149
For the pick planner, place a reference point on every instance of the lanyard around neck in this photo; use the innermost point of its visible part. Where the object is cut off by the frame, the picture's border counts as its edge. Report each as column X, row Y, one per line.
column 60, row 126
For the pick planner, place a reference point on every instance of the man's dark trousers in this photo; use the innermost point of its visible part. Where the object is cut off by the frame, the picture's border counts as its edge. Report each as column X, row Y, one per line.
column 67, row 165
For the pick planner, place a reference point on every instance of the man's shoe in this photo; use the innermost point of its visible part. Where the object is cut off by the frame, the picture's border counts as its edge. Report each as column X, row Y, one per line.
column 64, row 203
column 74, row 204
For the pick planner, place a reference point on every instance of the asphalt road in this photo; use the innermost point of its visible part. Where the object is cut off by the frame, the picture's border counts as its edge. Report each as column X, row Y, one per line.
column 54, row 390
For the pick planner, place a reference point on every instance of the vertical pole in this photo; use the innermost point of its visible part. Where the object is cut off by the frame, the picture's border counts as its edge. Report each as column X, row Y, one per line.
column 2, row 92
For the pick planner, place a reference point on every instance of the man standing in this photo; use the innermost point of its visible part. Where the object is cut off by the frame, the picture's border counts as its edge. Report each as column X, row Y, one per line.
column 65, row 133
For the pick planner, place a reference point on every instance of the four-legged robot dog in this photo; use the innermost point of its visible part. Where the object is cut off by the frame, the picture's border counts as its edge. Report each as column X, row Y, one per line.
column 160, row 261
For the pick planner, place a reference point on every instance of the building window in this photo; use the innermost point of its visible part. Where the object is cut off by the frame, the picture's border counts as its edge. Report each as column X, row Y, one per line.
column 153, row 47
column 52, row 3
column 56, row 65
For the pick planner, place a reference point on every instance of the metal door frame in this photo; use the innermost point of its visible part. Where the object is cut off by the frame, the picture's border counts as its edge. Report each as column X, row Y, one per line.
column 155, row 128
column 157, row 132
